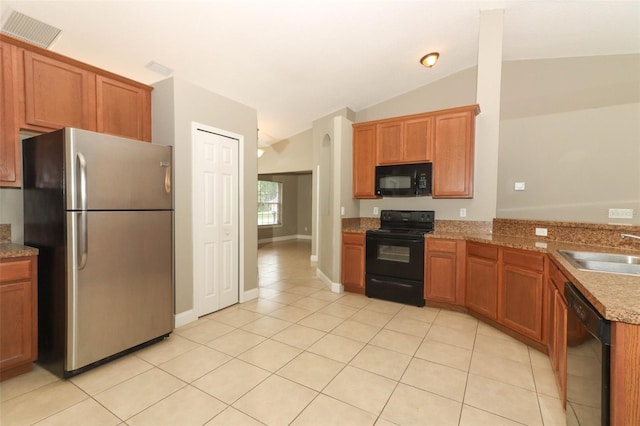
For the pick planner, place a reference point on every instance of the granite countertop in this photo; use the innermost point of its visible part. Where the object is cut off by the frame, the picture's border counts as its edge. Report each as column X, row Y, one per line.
column 9, row 250
column 615, row 296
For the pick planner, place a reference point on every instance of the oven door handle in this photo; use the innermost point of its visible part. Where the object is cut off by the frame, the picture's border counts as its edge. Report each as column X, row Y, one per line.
column 395, row 283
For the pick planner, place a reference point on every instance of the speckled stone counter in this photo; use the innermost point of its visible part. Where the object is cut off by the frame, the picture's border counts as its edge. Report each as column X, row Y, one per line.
column 615, row 296
column 9, row 249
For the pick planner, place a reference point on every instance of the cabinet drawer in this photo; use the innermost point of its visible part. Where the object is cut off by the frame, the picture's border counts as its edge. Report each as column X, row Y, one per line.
column 533, row 261
column 481, row 250
column 355, row 238
column 448, row 246
column 15, row 270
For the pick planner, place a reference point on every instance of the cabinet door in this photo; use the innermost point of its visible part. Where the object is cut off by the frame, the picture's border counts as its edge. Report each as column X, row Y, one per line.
column 560, row 333
column 390, row 142
column 58, row 94
column 440, row 271
column 521, row 302
column 9, row 128
column 364, row 161
column 15, row 317
column 18, row 320
column 549, row 319
column 482, row 279
column 453, row 155
column 353, row 258
column 123, row 109
column 418, row 140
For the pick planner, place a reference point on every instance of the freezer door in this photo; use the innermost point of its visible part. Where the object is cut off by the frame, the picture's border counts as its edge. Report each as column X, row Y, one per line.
column 120, row 286
column 106, row 172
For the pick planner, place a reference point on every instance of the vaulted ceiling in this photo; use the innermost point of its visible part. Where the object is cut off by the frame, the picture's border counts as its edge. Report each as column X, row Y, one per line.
column 295, row 61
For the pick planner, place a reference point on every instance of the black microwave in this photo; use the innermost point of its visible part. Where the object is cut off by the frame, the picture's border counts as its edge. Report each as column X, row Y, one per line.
column 403, row 180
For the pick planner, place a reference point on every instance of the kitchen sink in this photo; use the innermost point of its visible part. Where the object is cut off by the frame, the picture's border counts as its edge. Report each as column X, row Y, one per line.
column 603, row 262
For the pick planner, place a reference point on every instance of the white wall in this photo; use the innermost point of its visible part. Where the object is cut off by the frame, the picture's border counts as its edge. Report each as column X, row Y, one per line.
column 293, row 154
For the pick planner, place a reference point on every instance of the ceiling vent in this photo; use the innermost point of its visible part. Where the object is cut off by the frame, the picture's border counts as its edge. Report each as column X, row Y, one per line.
column 31, row 30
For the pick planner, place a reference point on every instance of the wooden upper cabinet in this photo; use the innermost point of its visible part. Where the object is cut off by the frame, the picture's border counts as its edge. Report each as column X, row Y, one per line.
column 453, row 153
column 42, row 91
column 9, row 137
column 364, row 160
column 123, row 109
column 405, row 141
column 390, row 141
column 57, row 94
column 418, row 134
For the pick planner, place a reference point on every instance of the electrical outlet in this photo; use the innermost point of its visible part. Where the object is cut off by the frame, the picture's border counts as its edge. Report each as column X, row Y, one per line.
column 463, row 212
column 519, row 186
column 341, row 212
column 621, row 213
column 541, row 232
column 376, row 210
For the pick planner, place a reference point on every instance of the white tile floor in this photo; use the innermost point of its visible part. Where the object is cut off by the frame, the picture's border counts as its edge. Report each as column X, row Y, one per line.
column 302, row 355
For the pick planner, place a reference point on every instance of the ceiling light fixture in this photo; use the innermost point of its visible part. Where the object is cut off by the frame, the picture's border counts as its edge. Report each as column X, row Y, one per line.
column 430, row 59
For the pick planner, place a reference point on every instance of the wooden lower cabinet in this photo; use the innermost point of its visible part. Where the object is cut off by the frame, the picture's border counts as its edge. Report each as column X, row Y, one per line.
column 625, row 374
column 522, row 279
column 482, row 279
column 18, row 315
column 353, row 258
column 559, row 356
column 444, row 271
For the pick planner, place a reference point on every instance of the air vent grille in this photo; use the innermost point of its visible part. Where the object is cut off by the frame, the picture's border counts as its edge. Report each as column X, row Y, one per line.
column 31, row 30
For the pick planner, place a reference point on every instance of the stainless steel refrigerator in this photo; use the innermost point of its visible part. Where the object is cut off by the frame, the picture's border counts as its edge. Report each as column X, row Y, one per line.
column 99, row 208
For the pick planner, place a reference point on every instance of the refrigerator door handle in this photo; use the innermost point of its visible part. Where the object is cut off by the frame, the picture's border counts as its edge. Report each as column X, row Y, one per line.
column 82, row 176
column 167, row 176
column 82, row 236
column 82, row 215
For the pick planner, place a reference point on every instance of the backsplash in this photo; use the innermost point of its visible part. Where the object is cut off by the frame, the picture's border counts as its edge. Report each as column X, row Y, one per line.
column 573, row 232
column 5, row 233
column 463, row 226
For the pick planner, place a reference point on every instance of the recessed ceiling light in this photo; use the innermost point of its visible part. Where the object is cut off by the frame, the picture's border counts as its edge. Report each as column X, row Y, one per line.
column 430, row 59
column 159, row 68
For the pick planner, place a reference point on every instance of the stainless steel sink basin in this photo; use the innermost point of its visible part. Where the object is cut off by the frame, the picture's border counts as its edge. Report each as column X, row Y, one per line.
column 603, row 262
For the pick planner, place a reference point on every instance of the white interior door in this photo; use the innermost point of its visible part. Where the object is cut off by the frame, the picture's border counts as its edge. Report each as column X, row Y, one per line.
column 216, row 218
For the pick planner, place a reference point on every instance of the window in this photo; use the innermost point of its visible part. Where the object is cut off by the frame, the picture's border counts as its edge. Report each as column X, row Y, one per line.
column 269, row 203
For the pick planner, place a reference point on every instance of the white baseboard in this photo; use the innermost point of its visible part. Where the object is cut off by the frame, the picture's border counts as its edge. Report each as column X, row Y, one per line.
column 249, row 295
column 334, row 287
column 184, row 318
column 284, row 238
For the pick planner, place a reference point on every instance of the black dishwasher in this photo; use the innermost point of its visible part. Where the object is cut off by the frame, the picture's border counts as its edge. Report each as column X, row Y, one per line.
column 588, row 363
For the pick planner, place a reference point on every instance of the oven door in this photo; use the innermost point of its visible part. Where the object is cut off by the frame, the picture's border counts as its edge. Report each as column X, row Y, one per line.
column 395, row 255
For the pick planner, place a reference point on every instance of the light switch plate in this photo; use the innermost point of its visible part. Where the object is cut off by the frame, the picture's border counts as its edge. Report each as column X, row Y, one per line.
column 621, row 213
column 519, row 186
